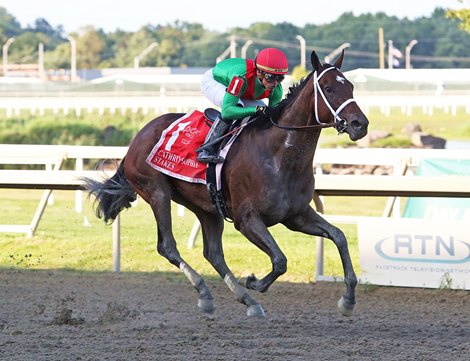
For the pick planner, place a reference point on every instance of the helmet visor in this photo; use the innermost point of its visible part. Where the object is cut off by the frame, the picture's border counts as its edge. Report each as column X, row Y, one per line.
column 272, row 78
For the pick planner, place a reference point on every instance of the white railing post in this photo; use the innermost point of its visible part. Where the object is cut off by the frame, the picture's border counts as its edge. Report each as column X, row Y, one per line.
column 193, row 234
column 79, row 194
column 117, row 244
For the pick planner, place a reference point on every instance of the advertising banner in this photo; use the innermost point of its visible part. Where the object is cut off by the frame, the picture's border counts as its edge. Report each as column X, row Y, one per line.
column 414, row 253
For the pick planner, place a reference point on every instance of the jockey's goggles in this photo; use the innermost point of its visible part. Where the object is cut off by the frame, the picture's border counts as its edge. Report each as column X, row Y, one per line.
column 271, row 78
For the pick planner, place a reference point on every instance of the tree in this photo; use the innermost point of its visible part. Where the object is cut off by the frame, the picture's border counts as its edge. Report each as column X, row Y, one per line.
column 129, row 45
column 463, row 16
column 183, row 44
column 26, row 49
column 204, row 52
column 9, row 26
column 41, row 25
column 59, row 58
column 90, row 46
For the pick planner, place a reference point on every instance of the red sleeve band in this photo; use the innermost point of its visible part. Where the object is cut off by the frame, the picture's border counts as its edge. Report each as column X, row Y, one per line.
column 235, row 86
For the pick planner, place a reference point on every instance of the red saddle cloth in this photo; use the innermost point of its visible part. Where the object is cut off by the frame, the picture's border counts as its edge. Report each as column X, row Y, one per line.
column 175, row 152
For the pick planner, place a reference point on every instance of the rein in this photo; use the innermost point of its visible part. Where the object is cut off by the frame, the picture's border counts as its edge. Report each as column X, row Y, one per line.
column 305, row 127
column 340, row 124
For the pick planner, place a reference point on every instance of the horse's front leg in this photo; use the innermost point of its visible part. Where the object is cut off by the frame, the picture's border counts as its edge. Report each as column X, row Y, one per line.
column 253, row 228
column 311, row 223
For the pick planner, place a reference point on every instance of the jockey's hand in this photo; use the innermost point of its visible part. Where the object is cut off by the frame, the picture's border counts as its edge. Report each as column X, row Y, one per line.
column 263, row 111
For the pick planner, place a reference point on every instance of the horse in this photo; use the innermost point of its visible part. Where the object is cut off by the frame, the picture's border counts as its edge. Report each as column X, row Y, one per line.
column 267, row 178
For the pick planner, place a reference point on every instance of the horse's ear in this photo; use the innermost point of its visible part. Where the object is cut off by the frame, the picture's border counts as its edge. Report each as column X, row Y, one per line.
column 315, row 61
column 339, row 61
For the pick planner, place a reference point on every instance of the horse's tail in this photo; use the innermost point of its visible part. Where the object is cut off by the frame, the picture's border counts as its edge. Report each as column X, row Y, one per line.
column 112, row 195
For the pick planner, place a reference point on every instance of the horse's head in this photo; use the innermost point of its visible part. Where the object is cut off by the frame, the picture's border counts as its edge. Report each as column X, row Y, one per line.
column 334, row 102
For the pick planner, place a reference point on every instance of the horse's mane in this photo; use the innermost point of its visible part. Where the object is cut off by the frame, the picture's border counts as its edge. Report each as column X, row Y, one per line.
column 294, row 90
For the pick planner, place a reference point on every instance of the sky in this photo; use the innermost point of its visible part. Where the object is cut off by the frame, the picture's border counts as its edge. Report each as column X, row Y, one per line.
column 217, row 15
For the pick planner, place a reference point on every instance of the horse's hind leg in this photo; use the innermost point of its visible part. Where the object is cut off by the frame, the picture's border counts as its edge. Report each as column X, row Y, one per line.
column 166, row 246
column 212, row 228
column 311, row 223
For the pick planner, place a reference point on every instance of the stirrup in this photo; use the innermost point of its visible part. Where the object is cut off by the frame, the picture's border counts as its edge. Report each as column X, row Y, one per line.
column 204, row 157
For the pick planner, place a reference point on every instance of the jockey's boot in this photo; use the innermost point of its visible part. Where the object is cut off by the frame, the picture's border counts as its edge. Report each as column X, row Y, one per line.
column 209, row 154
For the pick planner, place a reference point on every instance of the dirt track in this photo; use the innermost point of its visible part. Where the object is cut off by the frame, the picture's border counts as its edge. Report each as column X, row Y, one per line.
column 51, row 315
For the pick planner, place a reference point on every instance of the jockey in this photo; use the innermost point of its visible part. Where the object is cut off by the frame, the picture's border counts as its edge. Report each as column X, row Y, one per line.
column 237, row 86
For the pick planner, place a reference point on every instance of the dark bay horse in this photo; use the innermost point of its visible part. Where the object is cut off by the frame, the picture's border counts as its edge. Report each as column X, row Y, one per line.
column 267, row 179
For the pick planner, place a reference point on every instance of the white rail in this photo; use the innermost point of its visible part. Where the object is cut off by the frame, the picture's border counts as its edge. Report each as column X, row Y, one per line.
column 81, row 104
column 159, row 104
column 331, row 185
column 52, row 157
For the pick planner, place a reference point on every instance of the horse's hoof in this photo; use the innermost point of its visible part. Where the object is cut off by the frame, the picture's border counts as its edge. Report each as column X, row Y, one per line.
column 255, row 311
column 205, row 305
column 345, row 308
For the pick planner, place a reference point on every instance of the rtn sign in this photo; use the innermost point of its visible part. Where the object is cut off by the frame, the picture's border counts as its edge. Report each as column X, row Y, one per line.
column 414, row 252
column 403, row 247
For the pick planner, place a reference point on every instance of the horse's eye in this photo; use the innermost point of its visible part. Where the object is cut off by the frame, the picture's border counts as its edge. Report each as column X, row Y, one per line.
column 328, row 89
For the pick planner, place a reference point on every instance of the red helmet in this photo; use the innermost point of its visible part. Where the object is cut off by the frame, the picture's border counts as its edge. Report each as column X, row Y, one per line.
column 272, row 61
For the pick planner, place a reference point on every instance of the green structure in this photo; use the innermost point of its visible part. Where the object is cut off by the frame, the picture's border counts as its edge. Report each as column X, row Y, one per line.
column 440, row 208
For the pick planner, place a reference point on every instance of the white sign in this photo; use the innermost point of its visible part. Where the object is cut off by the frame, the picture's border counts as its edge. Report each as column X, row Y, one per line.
column 414, row 252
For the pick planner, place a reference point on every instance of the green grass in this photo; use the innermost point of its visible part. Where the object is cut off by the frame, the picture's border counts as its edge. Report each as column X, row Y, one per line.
column 63, row 242
column 440, row 124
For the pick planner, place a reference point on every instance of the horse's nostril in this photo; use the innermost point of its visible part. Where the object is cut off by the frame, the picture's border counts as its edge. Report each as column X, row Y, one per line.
column 355, row 124
column 359, row 124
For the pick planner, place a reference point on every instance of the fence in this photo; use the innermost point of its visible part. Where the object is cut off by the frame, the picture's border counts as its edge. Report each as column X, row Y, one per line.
column 163, row 103
column 326, row 185
column 79, row 105
column 52, row 158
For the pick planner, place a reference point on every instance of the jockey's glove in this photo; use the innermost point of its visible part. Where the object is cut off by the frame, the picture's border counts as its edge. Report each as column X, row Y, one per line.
column 263, row 111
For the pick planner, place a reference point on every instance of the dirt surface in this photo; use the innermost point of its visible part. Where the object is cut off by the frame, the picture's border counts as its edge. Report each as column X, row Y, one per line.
column 55, row 315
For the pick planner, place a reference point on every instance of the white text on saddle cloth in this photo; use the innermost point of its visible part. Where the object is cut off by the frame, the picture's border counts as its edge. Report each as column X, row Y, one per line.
column 175, row 152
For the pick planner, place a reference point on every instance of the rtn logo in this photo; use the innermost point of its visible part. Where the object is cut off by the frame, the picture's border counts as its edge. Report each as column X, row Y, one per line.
column 423, row 248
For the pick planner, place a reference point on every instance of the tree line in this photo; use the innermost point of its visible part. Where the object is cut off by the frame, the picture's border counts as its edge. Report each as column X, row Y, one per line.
column 442, row 42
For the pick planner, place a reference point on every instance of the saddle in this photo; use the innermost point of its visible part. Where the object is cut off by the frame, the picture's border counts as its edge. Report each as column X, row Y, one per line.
column 212, row 114
column 175, row 154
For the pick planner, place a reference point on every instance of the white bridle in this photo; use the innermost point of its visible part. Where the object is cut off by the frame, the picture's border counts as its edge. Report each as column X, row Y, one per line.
column 317, row 89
